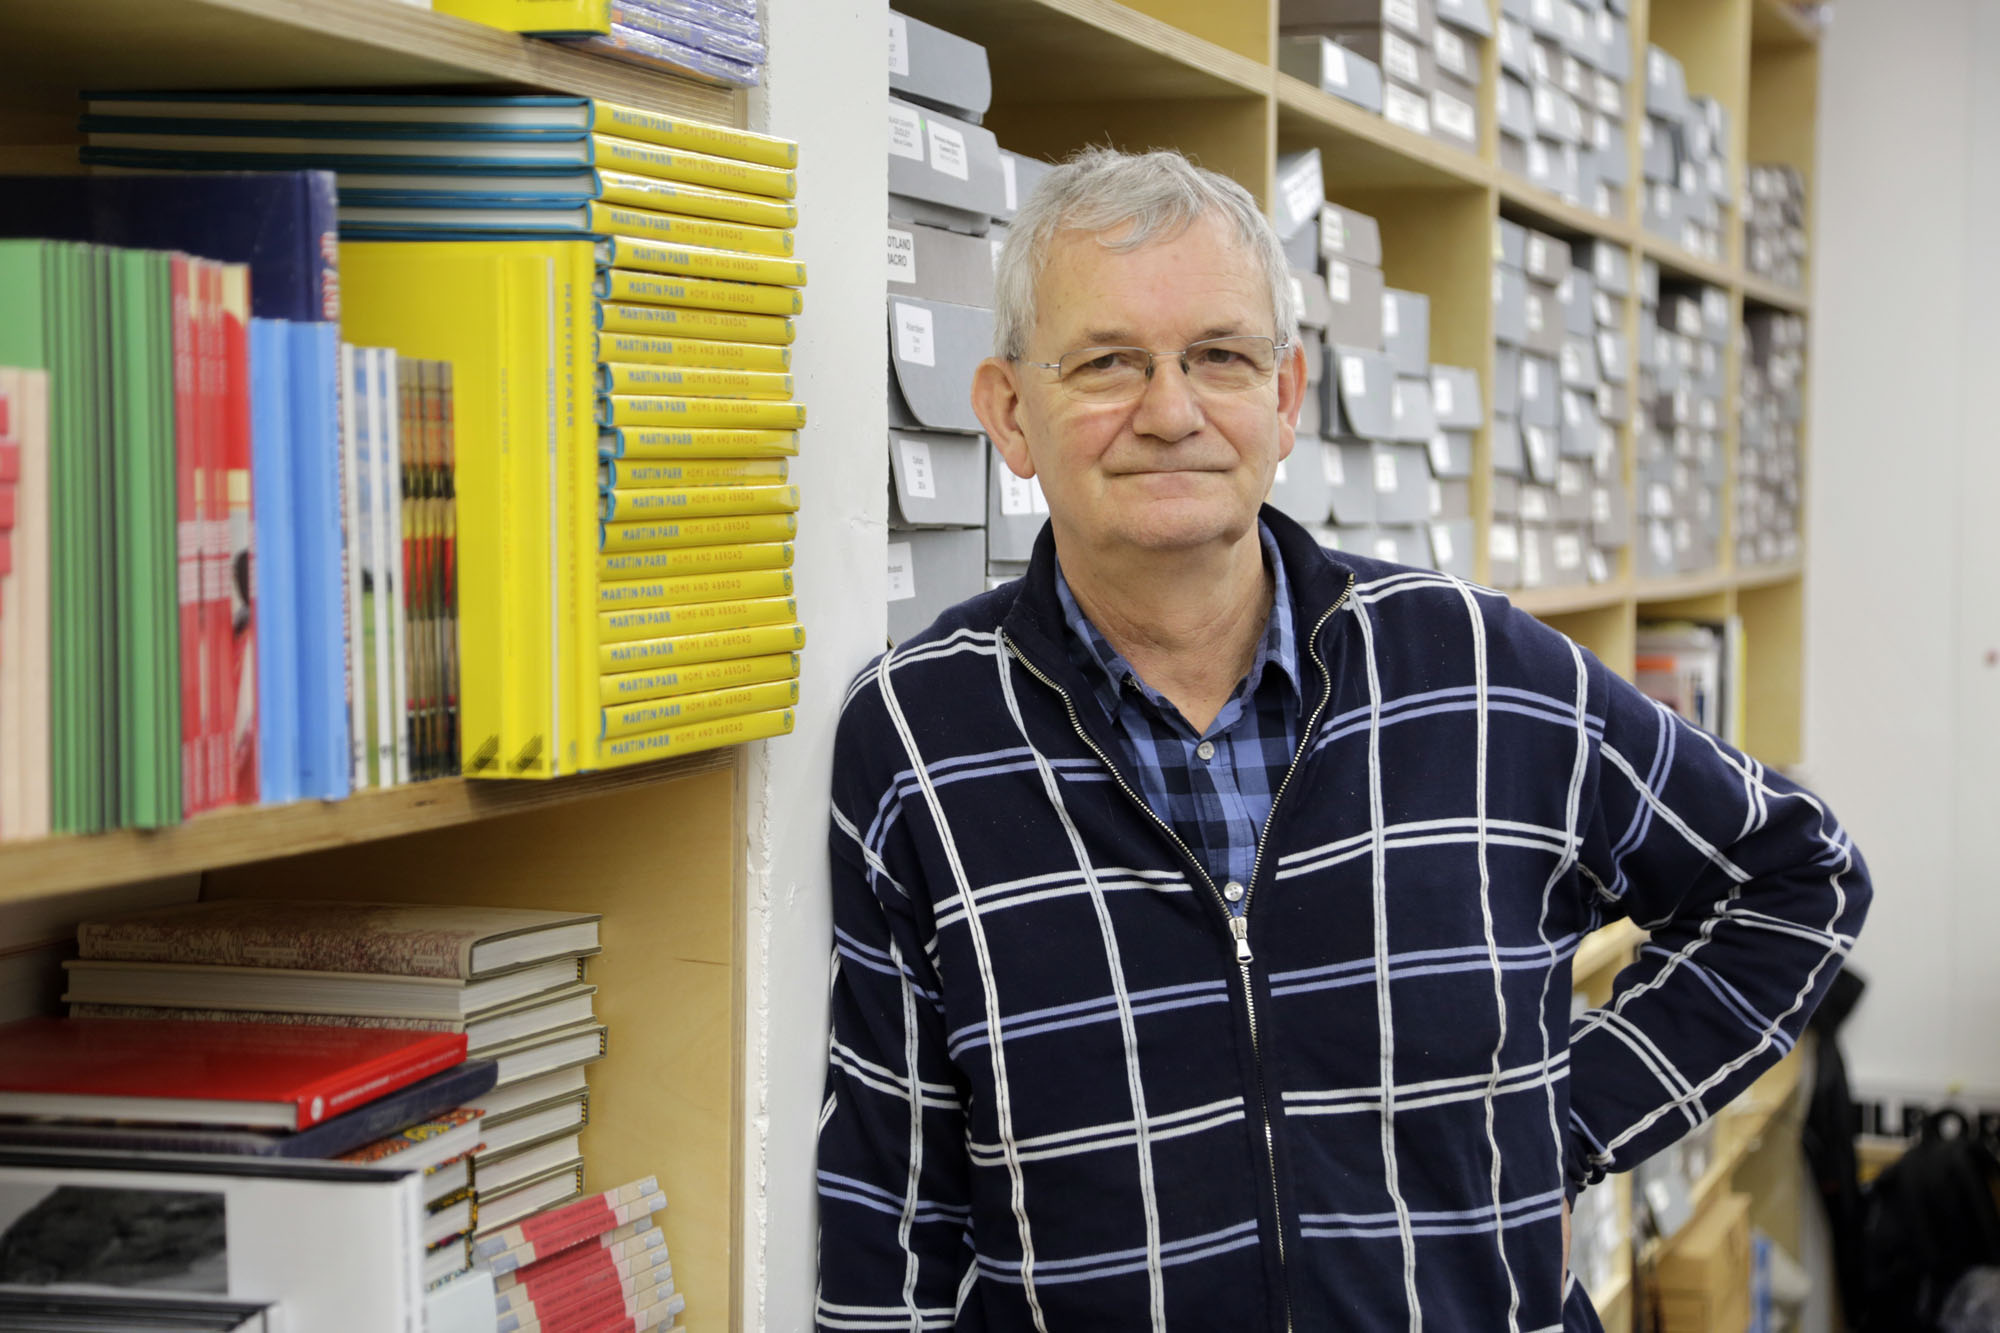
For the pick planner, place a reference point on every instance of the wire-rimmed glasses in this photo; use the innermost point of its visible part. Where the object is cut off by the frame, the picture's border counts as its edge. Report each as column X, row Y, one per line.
column 1235, row 364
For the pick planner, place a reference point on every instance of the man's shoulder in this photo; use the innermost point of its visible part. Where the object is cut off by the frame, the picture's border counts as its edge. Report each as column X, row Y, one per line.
column 947, row 654
column 1409, row 599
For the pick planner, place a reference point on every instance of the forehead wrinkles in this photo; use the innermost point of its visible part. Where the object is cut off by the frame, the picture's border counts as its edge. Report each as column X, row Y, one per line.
column 1085, row 267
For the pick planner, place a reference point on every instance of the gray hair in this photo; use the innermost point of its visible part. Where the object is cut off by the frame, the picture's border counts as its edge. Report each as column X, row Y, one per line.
column 1153, row 196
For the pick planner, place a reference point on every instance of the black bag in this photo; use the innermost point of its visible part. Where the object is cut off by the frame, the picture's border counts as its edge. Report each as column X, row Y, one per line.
column 1926, row 1220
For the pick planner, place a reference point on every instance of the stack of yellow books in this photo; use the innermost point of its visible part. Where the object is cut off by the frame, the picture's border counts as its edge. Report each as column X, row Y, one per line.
column 615, row 291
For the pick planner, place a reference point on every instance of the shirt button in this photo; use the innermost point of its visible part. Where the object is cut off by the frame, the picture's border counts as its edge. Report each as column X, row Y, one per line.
column 1206, row 750
column 1233, row 891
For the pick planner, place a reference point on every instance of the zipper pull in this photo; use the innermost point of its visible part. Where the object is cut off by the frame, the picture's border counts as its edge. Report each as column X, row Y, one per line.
column 1239, row 926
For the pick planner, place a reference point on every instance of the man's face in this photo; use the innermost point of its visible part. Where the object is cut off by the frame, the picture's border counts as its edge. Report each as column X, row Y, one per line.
column 1174, row 468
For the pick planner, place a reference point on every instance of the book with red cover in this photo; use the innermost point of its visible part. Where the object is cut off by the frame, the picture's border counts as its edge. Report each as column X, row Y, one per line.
column 559, row 1229
column 258, row 1075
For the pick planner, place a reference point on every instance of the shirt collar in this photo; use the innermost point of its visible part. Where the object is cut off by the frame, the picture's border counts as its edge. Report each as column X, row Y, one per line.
column 1106, row 670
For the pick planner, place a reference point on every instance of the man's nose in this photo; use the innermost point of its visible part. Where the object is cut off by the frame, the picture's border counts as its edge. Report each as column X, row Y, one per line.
column 1169, row 409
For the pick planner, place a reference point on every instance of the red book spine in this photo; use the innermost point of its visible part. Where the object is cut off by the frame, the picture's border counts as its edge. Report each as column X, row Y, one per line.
column 187, row 535
column 378, row 1078
column 239, row 684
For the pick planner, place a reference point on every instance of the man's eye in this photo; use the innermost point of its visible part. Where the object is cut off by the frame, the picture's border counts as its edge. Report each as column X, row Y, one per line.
column 1109, row 361
column 1220, row 356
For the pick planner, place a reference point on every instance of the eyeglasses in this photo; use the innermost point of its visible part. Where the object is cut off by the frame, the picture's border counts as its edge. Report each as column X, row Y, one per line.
column 1212, row 366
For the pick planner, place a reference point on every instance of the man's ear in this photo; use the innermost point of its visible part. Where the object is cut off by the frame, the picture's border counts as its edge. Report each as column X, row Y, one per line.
column 996, row 398
column 1292, row 390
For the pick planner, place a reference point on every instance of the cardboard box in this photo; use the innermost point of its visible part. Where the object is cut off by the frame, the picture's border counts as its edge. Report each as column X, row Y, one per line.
column 936, row 479
column 938, row 265
column 1405, row 107
column 1516, row 47
column 1510, row 307
column 929, row 572
column 1406, row 330
column 1452, row 546
column 1415, row 420
column 1543, row 446
column 1309, row 289
column 1015, row 511
column 1300, row 489
column 1402, row 476
column 1364, row 383
column 934, row 348
column 1510, row 454
column 1506, row 381
column 1346, row 234
column 1301, row 189
column 1451, row 454
column 1402, row 58
column 1414, row 17
column 1019, row 175
column 1503, row 555
column 1542, row 315
column 1454, row 53
column 1455, row 113
column 1406, row 544
column 1544, row 258
column 1666, row 86
column 1455, row 398
column 1350, row 478
column 1469, row 16
column 942, row 171
column 938, row 69
column 1332, row 68
column 1704, row 1280
column 1451, row 497
column 1354, row 309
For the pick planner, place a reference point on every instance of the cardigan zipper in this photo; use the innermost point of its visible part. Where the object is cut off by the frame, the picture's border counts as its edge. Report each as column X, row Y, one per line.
column 1239, row 924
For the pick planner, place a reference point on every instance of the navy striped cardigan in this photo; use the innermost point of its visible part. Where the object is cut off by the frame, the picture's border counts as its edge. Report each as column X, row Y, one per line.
column 1063, row 1094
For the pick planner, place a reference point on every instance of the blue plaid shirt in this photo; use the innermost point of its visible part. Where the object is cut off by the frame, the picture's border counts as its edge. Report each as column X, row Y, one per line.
column 1214, row 787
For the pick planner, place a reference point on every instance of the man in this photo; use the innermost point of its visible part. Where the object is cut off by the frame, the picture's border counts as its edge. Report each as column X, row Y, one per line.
column 1204, row 901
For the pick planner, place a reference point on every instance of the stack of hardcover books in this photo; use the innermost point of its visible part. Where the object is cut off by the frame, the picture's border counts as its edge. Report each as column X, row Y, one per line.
column 716, row 41
column 597, row 1265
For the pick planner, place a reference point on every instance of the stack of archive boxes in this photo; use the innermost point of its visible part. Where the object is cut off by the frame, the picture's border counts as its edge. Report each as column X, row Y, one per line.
column 1774, row 225
column 958, row 518
column 1560, row 396
column 1684, row 143
column 1767, row 457
column 1383, row 454
column 1562, row 103
column 1417, row 63
column 1683, row 330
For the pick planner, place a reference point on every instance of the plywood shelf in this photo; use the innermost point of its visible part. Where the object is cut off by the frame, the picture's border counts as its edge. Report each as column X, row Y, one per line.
column 1538, row 208
column 1765, row 576
column 1775, row 23
column 1762, row 291
column 261, row 833
column 1547, row 602
column 1606, row 949
column 1681, row 589
column 1362, row 151
column 1675, row 262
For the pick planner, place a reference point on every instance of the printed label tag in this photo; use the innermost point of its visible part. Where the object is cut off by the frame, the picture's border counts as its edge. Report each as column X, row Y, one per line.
column 1386, row 549
column 1440, row 452
column 1403, row 13
column 1598, row 569
column 1330, row 465
column 906, row 138
column 1436, row 497
column 1016, row 501
column 1402, row 107
column 1534, row 505
column 1007, row 181
column 1399, row 59
column 1449, row 48
column 1443, row 396
column 1600, row 505
column 914, row 343
column 1573, row 409
column 1531, row 563
column 1505, row 542
column 918, row 479
column 899, row 45
column 902, row 574
column 1453, row 116
column 902, row 256
column 1392, row 316
column 1441, row 550
column 1333, row 65
column 1531, row 377
column 998, row 246
column 1537, row 318
column 1339, row 283
column 1386, row 472
column 948, row 151
column 1353, row 376
column 1332, row 231
column 1303, row 191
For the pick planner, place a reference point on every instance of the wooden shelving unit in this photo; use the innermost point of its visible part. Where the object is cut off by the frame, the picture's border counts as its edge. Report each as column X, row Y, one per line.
column 658, row 850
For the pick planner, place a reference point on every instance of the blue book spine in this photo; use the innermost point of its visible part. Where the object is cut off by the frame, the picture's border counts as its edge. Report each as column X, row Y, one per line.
column 272, row 575
column 319, row 540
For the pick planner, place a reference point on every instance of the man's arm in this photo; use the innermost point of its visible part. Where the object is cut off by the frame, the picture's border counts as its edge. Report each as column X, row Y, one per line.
column 894, row 1224
column 1753, row 894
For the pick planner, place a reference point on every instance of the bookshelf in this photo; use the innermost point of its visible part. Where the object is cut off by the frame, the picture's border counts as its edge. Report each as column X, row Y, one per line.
column 658, row 850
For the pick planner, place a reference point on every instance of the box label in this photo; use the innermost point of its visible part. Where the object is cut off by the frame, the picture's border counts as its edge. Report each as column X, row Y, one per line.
column 1399, row 59
column 948, row 151
column 902, row 574
column 902, row 256
column 1531, row 377
column 998, row 246
column 1403, row 13
column 899, row 45
column 1016, row 500
column 1449, row 48
column 1440, row 451
column 1402, row 107
column 918, row 479
column 914, row 342
column 1332, row 231
column 1531, row 564
column 1385, row 471
column 1353, row 376
column 1597, row 567
column 905, row 133
column 1386, row 549
column 1332, row 65
column 1443, row 396
column 1392, row 316
column 1339, row 283
column 1454, row 116
column 1537, row 318
column 1298, row 292
column 1440, row 540
column 1303, row 193
column 1600, row 506
column 1504, row 543
column 1331, row 466
column 1007, row 182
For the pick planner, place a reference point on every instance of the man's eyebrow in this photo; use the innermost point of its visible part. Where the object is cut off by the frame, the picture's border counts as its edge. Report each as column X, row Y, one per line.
column 1124, row 337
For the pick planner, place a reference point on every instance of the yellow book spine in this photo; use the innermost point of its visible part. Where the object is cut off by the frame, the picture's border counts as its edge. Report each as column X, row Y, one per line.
column 700, row 136
column 650, row 224
column 612, row 153
column 664, row 321
column 654, row 442
column 696, row 736
column 627, row 409
column 643, row 567
column 618, row 537
column 721, row 586
column 631, row 252
column 636, row 686
column 617, row 187
column 626, row 286
column 683, row 709
column 697, row 502
column 691, row 381
column 577, row 564
column 660, row 622
column 530, row 516
column 711, row 646
column 569, row 17
column 620, row 474
column 638, row 349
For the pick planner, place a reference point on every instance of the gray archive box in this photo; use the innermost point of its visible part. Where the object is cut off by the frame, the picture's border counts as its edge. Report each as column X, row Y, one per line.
column 1404, row 544
column 934, row 348
column 1301, row 190
column 1414, row 17
column 1506, row 381
column 1515, row 108
column 1346, row 234
column 1516, row 46
column 1544, row 258
column 1510, row 306
column 1019, row 175
column 1350, row 479
column 1402, row 475
column 1578, row 363
column 1578, row 294
column 1467, row 16
column 1354, row 304
column 1455, row 113
column 1542, row 318
column 1510, row 244
column 1451, row 546
column 1364, row 385
column 1451, row 454
column 942, row 171
column 1315, row 311
column 1455, row 398
column 938, row 68
column 1573, row 486
column 1506, row 496
column 1540, row 387
column 1299, row 488
column 1414, row 419
column 931, row 571
column 1406, row 330
column 1333, row 69
column 1503, row 555
column 1510, row 455
column 1302, row 250
column 1456, row 56
column 1543, row 446
column 1451, row 497
column 1015, row 511
column 936, row 480
column 938, row 265
column 1403, row 59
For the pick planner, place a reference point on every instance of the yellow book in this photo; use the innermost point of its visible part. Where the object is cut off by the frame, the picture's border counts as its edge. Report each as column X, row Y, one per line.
column 617, row 187
column 696, row 502
column 626, row 286
column 674, row 229
column 720, row 586
column 656, row 442
column 700, row 136
column 666, row 322
column 635, row 686
column 643, row 567
column 623, row 474
column 682, row 709
column 660, row 622
column 445, row 301
column 529, row 516
column 618, row 537
column 638, row 349
column 574, row 18
column 626, row 409
column 712, row 646
column 691, row 382
column 696, row 736
column 612, row 153
column 647, row 256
